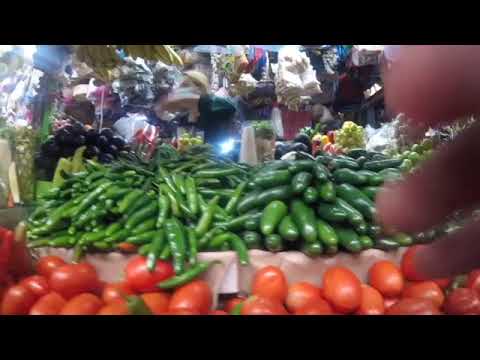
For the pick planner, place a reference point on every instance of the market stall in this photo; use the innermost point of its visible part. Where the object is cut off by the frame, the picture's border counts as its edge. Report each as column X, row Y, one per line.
column 121, row 203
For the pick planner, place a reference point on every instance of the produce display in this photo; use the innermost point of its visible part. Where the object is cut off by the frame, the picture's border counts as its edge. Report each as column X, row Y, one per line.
column 163, row 210
column 66, row 141
column 59, row 288
column 417, row 153
column 350, row 136
column 186, row 140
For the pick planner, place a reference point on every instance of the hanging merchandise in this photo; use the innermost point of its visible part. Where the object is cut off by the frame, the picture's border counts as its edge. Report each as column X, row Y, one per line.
column 296, row 81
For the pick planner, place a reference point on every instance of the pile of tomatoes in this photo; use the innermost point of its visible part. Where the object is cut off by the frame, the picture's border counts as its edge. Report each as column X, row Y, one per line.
column 59, row 288
column 390, row 290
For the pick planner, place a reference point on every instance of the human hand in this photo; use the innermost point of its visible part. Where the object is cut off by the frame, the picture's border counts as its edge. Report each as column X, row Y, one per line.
column 433, row 85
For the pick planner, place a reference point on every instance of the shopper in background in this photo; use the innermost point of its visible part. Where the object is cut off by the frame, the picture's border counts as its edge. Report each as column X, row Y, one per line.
column 212, row 114
column 433, row 85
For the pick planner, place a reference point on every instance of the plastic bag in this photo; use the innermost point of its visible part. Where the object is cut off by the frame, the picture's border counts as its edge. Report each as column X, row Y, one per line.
column 382, row 139
column 129, row 125
column 277, row 122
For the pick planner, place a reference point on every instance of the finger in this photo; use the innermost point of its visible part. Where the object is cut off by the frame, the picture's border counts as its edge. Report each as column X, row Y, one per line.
column 447, row 182
column 454, row 254
column 432, row 84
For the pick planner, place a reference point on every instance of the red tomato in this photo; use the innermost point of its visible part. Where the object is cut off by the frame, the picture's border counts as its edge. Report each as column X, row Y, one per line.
column 74, row 279
column 315, row 307
column 372, row 302
column 258, row 305
column 47, row 264
column 462, row 301
column 443, row 282
column 231, row 303
column 114, row 292
column 409, row 306
column 270, row 282
column 182, row 312
column 157, row 302
column 118, row 307
column 408, row 266
column 217, row 312
column 195, row 296
column 342, row 289
column 300, row 294
column 17, row 300
column 388, row 302
column 387, row 278
column 83, row 304
column 140, row 279
column 473, row 281
column 49, row 304
column 37, row 284
column 425, row 290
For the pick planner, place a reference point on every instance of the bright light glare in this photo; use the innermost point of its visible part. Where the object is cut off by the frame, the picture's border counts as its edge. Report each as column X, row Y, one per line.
column 29, row 50
column 227, row 146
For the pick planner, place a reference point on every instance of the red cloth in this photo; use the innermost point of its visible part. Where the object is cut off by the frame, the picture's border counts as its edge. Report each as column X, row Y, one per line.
column 293, row 121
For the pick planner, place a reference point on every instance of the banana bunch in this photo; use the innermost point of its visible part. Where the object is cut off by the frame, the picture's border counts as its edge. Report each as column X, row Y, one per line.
column 163, row 53
column 102, row 59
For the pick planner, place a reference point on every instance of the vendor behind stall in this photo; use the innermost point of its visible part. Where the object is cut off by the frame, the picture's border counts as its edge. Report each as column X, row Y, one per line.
column 212, row 114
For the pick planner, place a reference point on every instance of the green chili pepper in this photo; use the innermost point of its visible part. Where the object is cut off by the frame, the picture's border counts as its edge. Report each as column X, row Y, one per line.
column 163, row 209
column 233, row 202
column 174, row 204
column 216, row 173
column 147, row 225
column 207, row 238
column 155, row 249
column 144, row 249
column 128, row 200
column 187, row 276
column 192, row 197
column 206, row 219
column 118, row 236
column 141, row 239
column 177, row 243
column 192, row 246
column 142, row 215
column 166, row 252
column 240, row 248
column 179, row 182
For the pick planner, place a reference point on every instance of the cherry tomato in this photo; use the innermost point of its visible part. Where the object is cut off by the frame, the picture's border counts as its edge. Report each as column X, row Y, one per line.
column 462, row 301
column 388, row 302
column 410, row 306
column 408, row 265
column 258, row 305
column 425, row 290
column 157, row 302
column 315, row 307
column 47, row 264
column 372, row 302
column 49, row 304
column 114, row 292
column 270, row 282
column 118, row 307
column 83, row 304
column 74, row 279
column 195, row 296
column 37, row 284
column 231, row 303
column 141, row 280
column 444, row 283
column 17, row 300
column 217, row 312
column 300, row 294
column 473, row 281
column 387, row 278
column 342, row 289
